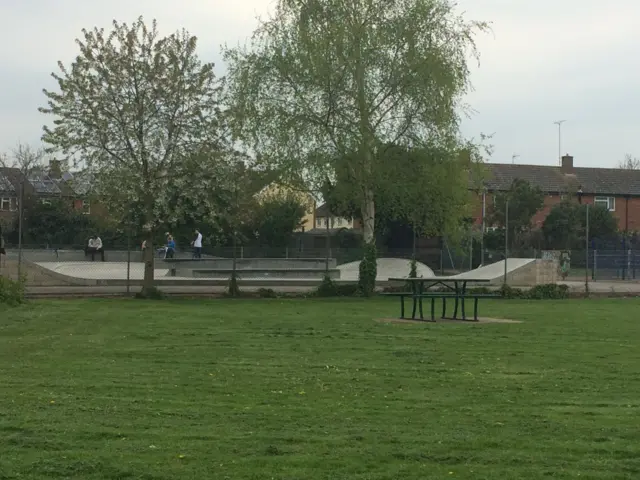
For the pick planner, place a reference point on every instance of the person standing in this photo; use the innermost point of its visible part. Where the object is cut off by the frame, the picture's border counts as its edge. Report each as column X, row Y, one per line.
column 171, row 247
column 197, row 245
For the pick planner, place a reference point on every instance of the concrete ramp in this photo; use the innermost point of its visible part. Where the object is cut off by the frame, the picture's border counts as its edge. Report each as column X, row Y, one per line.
column 387, row 268
column 520, row 271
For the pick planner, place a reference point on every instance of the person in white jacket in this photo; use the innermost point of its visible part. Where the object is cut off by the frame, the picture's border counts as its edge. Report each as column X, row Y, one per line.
column 197, row 245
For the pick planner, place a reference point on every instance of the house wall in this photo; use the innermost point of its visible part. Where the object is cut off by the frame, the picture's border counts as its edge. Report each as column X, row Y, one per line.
column 627, row 210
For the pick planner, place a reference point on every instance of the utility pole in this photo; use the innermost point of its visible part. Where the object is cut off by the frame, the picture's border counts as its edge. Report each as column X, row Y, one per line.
column 513, row 158
column 506, row 239
column 559, row 123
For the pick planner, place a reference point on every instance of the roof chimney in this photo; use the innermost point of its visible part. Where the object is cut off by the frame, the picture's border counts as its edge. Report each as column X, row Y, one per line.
column 567, row 164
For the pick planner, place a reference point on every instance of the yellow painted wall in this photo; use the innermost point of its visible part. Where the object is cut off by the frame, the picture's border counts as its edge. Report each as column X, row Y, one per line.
column 278, row 191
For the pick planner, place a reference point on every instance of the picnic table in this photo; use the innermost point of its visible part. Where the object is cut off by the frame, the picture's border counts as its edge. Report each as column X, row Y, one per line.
column 455, row 289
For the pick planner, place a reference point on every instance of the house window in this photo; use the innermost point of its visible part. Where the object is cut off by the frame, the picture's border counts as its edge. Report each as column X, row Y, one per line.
column 607, row 202
column 8, row 204
column 86, row 207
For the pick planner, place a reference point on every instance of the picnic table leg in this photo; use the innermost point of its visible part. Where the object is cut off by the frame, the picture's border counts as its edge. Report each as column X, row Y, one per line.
column 455, row 308
column 464, row 291
column 433, row 309
column 414, row 291
column 444, row 307
column 401, row 306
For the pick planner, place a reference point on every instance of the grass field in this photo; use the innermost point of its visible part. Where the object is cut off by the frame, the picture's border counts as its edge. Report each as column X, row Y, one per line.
column 316, row 389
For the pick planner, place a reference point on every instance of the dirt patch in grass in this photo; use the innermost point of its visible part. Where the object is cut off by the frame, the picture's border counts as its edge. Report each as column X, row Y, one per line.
column 481, row 320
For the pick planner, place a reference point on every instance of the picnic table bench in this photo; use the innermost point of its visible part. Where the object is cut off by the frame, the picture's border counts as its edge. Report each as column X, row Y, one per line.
column 456, row 290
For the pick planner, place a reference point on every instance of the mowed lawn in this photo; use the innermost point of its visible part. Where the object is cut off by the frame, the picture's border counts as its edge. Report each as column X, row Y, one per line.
column 317, row 389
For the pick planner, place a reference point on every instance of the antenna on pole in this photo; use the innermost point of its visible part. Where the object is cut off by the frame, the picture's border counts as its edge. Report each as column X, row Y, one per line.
column 559, row 123
column 513, row 158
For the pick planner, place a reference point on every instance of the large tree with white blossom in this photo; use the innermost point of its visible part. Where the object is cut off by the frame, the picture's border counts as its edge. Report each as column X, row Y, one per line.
column 132, row 106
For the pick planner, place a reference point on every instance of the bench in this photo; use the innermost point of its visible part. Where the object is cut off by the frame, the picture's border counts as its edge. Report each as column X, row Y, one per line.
column 444, row 296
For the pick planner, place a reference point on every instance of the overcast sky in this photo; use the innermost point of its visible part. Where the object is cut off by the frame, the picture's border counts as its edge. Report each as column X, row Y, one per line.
column 573, row 60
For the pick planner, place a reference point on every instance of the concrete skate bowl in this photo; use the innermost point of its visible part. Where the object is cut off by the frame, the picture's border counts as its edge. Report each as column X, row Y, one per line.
column 95, row 273
column 253, row 268
column 520, row 271
column 387, row 268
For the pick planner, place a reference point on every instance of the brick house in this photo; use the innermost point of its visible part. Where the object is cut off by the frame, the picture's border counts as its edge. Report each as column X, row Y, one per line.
column 42, row 186
column 615, row 188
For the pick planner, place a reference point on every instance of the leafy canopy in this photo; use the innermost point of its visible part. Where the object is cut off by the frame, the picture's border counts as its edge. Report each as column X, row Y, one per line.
column 330, row 81
column 130, row 107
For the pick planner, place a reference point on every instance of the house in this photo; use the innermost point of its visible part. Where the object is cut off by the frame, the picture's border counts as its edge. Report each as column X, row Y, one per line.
column 323, row 218
column 43, row 185
column 614, row 188
column 8, row 196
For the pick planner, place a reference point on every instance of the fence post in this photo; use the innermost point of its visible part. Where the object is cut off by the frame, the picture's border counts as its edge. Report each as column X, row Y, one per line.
column 128, row 260
column 594, row 268
column 628, row 264
column 242, row 251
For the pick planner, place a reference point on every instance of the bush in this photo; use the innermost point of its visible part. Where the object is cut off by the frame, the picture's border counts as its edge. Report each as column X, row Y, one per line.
column 548, row 291
column 267, row 293
column 329, row 288
column 12, row 291
column 153, row 293
column 368, row 270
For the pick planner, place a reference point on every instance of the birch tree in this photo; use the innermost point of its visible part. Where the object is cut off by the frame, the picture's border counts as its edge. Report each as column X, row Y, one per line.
column 130, row 108
column 322, row 79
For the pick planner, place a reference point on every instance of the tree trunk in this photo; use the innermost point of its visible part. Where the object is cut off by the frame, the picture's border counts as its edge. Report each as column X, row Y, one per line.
column 149, row 258
column 368, row 217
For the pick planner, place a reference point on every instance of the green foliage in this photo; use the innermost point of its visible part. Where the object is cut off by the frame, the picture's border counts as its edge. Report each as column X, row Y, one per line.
column 549, row 291
column 276, row 219
column 134, row 106
column 565, row 226
column 267, row 293
column 524, row 202
column 329, row 288
column 368, row 270
column 12, row 291
column 55, row 223
column 317, row 95
column 150, row 293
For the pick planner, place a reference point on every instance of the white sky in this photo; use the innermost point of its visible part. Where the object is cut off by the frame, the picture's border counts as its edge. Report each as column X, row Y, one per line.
column 548, row 60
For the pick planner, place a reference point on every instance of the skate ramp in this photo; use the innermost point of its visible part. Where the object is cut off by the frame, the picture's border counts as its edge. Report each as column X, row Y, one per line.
column 387, row 268
column 519, row 270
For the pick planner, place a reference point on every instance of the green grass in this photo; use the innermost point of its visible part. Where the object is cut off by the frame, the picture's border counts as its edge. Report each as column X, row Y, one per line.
column 315, row 389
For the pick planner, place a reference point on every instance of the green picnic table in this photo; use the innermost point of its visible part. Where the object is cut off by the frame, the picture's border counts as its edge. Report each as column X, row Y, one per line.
column 455, row 289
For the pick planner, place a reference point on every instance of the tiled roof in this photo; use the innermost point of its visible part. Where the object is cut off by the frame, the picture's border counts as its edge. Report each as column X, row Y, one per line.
column 603, row 181
column 5, row 185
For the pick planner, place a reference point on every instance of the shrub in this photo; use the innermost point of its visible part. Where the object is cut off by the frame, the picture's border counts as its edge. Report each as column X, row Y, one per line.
column 267, row 293
column 329, row 288
column 548, row 291
column 368, row 270
column 12, row 291
column 153, row 293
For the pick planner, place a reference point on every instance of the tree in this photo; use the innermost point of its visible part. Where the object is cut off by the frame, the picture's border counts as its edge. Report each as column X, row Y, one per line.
column 27, row 160
column 132, row 106
column 276, row 219
column 630, row 163
column 524, row 201
column 331, row 81
column 565, row 226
